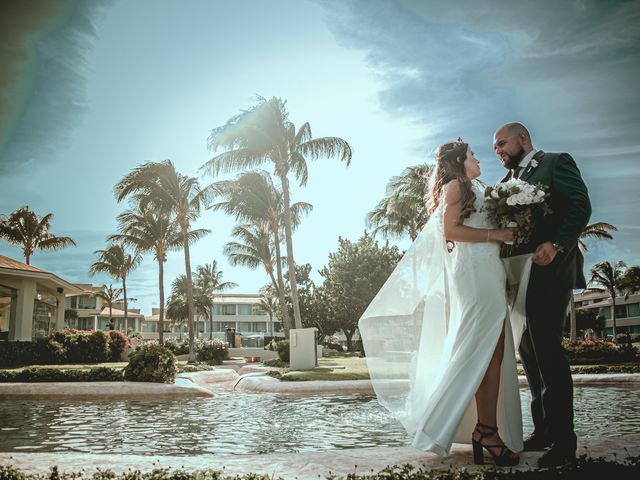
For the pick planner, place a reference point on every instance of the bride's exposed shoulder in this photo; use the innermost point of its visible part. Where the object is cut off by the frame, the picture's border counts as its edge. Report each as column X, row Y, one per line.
column 452, row 192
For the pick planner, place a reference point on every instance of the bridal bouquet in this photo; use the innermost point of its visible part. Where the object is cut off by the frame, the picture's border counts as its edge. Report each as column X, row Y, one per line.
column 514, row 204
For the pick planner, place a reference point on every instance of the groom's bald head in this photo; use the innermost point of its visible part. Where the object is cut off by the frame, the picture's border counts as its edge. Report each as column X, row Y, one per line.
column 512, row 142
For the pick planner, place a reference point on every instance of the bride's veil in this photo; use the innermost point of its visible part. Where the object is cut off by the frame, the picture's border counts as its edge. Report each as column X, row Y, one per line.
column 409, row 315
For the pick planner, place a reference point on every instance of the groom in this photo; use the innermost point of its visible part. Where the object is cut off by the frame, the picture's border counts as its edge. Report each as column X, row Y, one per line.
column 556, row 270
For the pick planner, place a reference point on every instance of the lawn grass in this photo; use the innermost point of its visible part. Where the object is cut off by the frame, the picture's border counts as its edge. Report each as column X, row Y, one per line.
column 356, row 369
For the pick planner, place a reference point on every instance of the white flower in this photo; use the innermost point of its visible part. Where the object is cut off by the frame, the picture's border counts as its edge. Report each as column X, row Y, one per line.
column 495, row 194
column 533, row 163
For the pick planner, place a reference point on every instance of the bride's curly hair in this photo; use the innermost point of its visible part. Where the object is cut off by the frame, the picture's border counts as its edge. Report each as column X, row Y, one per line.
column 450, row 159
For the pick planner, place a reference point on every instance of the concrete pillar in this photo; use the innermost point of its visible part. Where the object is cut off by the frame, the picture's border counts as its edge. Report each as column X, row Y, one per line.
column 24, row 311
column 59, row 320
column 95, row 322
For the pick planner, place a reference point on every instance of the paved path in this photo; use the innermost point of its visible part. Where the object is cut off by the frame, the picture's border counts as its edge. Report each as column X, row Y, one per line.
column 302, row 466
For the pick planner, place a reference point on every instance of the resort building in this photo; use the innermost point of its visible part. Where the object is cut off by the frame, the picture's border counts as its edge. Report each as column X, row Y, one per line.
column 92, row 312
column 242, row 312
column 627, row 310
column 31, row 301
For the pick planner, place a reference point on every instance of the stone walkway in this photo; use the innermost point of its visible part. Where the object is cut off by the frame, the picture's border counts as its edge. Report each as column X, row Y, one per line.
column 302, row 466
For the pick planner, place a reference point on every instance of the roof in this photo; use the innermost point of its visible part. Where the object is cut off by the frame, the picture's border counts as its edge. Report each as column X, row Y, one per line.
column 6, row 262
column 14, row 268
column 118, row 313
column 606, row 302
column 236, row 298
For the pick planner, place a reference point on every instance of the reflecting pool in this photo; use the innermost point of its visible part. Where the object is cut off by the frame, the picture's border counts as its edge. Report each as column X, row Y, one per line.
column 241, row 423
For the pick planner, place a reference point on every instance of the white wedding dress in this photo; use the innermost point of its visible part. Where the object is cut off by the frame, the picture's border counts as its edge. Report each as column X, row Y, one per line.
column 431, row 331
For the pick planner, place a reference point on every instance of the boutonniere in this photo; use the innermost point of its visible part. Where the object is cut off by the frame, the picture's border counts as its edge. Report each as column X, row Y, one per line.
column 532, row 164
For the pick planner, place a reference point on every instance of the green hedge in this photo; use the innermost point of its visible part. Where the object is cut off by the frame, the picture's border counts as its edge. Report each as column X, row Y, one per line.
column 585, row 468
column 44, row 374
column 69, row 346
column 151, row 363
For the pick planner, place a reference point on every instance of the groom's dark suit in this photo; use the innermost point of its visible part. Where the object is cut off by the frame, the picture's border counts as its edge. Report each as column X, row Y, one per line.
column 545, row 361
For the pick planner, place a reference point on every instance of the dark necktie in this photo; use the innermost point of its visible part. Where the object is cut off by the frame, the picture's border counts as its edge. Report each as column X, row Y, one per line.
column 517, row 172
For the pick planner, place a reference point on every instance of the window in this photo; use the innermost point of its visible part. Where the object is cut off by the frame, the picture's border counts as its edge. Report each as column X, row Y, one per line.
column 258, row 309
column 244, row 309
column 605, row 312
column 244, row 327
column 633, row 309
column 86, row 301
column 621, row 311
column 225, row 309
column 45, row 308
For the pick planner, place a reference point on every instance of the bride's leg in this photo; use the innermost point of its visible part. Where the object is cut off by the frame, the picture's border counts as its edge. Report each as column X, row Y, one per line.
column 487, row 401
column 487, row 394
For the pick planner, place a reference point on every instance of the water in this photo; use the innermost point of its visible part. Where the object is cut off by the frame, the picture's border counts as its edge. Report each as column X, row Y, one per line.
column 241, row 423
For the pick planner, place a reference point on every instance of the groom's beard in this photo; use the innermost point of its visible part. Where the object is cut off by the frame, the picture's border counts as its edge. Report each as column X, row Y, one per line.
column 513, row 161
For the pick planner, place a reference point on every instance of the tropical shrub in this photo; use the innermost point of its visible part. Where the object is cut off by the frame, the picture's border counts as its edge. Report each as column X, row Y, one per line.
column 594, row 351
column 211, row 351
column 151, row 363
column 176, row 346
column 282, row 347
column 118, row 344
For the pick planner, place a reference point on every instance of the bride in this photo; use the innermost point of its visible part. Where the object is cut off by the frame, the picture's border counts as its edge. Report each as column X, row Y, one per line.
column 437, row 337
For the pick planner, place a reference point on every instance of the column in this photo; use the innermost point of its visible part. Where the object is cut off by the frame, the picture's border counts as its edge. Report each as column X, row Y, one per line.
column 24, row 311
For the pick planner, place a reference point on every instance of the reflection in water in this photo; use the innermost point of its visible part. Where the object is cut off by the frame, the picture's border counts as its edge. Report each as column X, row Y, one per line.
column 240, row 423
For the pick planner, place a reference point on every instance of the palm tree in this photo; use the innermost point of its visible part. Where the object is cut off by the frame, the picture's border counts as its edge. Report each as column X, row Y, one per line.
column 253, row 198
column 152, row 230
column 25, row 228
column 630, row 282
column 403, row 209
column 269, row 304
column 116, row 262
column 599, row 230
column 265, row 134
column 111, row 295
column 607, row 277
column 178, row 305
column 160, row 185
column 209, row 281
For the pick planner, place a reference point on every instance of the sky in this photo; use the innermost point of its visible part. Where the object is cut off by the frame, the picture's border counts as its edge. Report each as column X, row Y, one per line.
column 91, row 89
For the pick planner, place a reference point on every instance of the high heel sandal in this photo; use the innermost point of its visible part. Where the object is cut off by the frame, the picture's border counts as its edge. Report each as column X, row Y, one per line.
column 505, row 459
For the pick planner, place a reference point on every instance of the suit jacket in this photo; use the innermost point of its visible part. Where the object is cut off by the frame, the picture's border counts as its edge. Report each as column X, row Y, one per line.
column 571, row 210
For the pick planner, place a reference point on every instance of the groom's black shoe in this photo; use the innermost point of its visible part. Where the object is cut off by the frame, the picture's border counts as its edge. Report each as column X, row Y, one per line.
column 536, row 443
column 557, row 456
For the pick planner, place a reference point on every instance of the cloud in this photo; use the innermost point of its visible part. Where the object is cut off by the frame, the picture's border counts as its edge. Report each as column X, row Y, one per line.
column 568, row 70
column 42, row 79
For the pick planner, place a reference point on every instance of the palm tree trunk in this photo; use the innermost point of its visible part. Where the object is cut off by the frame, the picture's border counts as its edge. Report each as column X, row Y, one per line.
column 613, row 316
column 572, row 320
column 161, row 316
column 210, row 324
column 290, row 262
column 124, row 292
column 190, row 313
column 286, row 321
column 278, row 285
